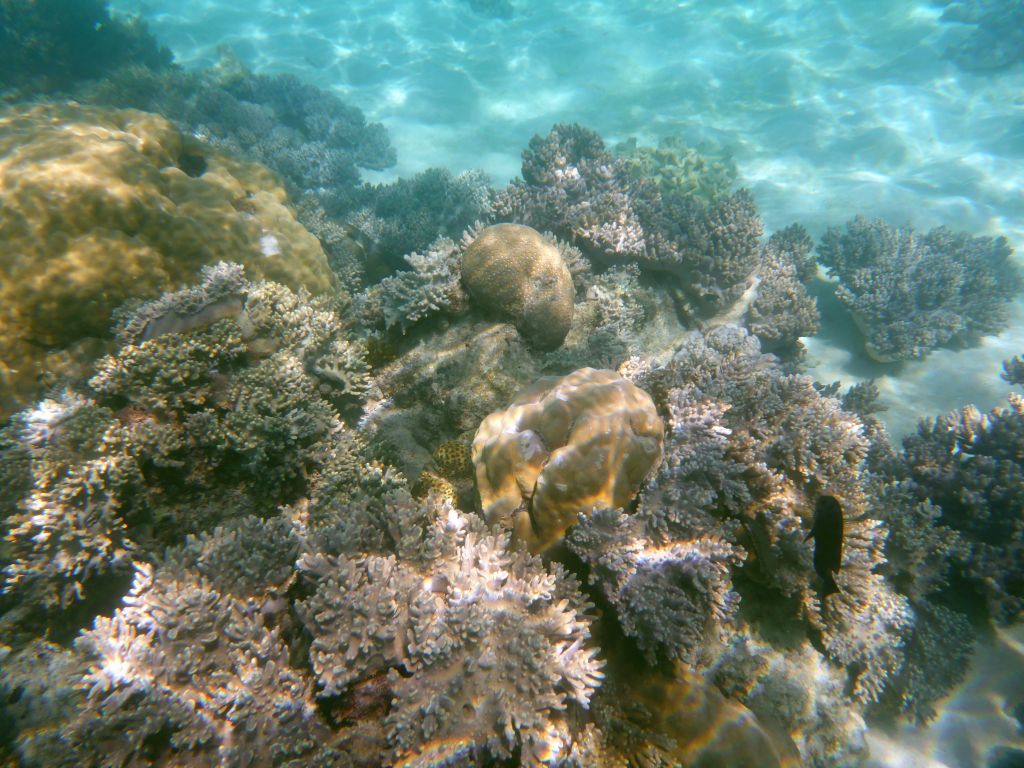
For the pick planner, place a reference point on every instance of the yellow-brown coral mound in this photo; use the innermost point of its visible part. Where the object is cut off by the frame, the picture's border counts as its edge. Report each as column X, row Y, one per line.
column 519, row 272
column 98, row 206
column 565, row 446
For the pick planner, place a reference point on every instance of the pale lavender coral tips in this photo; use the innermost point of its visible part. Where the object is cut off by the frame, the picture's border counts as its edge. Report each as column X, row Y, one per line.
column 563, row 448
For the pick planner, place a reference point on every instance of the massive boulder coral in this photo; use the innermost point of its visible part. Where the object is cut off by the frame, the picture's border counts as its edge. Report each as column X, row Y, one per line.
column 910, row 293
column 101, row 206
column 563, row 447
column 515, row 271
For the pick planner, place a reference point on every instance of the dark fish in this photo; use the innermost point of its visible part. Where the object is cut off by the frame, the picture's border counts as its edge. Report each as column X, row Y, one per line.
column 827, row 532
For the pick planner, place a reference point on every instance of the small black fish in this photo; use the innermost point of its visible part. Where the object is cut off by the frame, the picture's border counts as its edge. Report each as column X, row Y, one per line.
column 827, row 532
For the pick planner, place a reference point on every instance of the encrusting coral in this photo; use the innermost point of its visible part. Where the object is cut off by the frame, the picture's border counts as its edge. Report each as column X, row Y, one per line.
column 562, row 448
column 102, row 206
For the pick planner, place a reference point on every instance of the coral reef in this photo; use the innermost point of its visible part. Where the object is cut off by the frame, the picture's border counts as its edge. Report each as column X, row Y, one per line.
column 715, row 551
column 513, row 270
column 99, row 208
column 563, row 448
column 781, row 310
column 388, row 221
column 309, row 136
column 50, row 45
column 492, row 647
column 226, row 416
column 432, row 285
column 252, row 535
column 680, row 171
column 666, row 595
column 574, row 187
column 937, row 658
column 966, row 470
column 667, row 213
column 910, row 293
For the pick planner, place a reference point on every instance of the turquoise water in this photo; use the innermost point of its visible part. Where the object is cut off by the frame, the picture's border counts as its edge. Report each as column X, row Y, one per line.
column 829, row 108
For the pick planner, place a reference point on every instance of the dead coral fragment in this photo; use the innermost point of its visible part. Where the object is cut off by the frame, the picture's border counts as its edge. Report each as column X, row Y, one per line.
column 564, row 447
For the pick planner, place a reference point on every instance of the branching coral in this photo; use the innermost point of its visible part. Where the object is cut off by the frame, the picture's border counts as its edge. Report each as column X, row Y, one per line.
column 968, row 465
column 309, row 136
column 679, row 170
column 228, row 416
column 432, row 285
column 574, row 187
column 482, row 647
column 781, row 310
column 392, row 220
column 669, row 596
column 937, row 658
column 49, row 45
column 798, row 689
column 910, row 293
column 68, row 529
column 237, row 700
column 748, row 448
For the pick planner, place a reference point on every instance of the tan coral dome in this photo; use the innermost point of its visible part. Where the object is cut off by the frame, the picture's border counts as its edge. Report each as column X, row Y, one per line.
column 565, row 446
column 516, row 271
column 101, row 205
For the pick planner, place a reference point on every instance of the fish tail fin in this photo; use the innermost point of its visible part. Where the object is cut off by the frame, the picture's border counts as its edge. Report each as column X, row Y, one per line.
column 830, row 585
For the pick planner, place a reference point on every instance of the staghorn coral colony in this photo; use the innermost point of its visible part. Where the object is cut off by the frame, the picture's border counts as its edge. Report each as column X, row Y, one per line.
column 295, row 472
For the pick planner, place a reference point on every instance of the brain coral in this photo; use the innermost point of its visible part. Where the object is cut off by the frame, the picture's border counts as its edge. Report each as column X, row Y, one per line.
column 564, row 447
column 100, row 206
column 519, row 272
